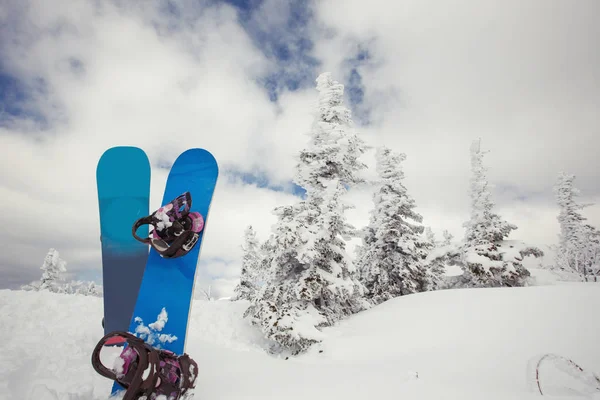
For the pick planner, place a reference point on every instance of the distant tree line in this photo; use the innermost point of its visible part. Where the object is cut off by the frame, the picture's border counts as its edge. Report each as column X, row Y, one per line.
column 52, row 279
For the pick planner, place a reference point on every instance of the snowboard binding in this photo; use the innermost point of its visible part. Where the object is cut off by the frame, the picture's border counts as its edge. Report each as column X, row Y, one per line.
column 146, row 372
column 176, row 229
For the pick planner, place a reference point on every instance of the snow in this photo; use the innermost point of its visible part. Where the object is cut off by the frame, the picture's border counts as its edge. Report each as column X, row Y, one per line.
column 451, row 344
column 119, row 365
column 162, row 215
column 151, row 333
column 162, row 319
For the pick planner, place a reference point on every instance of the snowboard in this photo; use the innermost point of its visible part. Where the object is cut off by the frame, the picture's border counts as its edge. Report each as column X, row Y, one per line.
column 123, row 183
column 160, row 315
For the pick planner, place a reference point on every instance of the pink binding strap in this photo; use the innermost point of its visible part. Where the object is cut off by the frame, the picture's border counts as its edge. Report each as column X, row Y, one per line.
column 147, row 371
column 197, row 221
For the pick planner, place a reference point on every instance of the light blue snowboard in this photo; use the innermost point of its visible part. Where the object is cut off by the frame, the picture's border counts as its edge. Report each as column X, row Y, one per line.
column 162, row 309
column 123, row 182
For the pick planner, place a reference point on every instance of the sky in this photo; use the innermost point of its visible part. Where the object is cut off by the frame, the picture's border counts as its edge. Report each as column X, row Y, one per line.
column 237, row 78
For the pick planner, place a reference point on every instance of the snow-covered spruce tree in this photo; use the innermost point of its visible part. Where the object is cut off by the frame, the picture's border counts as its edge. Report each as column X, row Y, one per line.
column 312, row 283
column 430, row 237
column 53, row 281
column 435, row 261
column 578, row 242
column 483, row 261
column 53, row 267
column 390, row 260
column 291, row 324
column 31, row 287
column 84, row 288
column 92, row 290
column 447, row 238
column 592, row 253
column 250, row 275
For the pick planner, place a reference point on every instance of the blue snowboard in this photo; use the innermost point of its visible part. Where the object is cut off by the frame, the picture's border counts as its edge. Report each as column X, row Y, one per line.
column 123, row 182
column 162, row 309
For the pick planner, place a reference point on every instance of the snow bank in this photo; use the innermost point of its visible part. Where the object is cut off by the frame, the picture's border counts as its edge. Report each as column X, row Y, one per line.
column 452, row 344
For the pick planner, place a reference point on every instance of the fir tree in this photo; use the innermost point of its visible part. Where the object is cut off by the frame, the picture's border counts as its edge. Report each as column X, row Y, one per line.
column 53, row 267
column 447, row 238
column 592, row 253
column 391, row 258
column 52, row 279
column 482, row 259
column 92, row 289
column 569, row 217
column 250, row 279
column 311, row 278
column 578, row 242
column 430, row 237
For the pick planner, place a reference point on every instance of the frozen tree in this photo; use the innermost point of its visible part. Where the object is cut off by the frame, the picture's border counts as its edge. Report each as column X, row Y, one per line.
column 484, row 225
column 93, row 290
column 250, row 275
column 578, row 242
column 31, row 287
column 442, row 255
column 569, row 217
column 312, row 283
column 53, row 267
column 52, row 279
column 82, row 288
column 391, row 259
column 447, row 238
column 586, row 248
column 277, row 309
column 266, row 251
column 483, row 261
column 430, row 236
column 592, row 253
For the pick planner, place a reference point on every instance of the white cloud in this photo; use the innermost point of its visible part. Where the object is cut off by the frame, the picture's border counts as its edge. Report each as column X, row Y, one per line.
column 113, row 76
column 525, row 77
column 522, row 76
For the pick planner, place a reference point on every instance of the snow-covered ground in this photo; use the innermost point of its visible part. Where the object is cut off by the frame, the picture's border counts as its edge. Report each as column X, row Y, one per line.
column 453, row 344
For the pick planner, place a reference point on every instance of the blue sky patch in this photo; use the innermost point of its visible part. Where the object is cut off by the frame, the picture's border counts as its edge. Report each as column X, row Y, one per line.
column 287, row 43
column 260, row 180
column 17, row 100
column 355, row 87
column 13, row 94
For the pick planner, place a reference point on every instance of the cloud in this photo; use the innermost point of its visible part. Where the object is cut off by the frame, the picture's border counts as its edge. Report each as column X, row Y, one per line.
column 282, row 31
column 523, row 77
column 110, row 75
column 422, row 77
